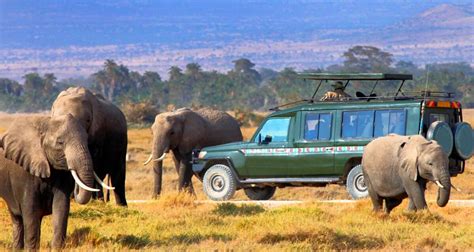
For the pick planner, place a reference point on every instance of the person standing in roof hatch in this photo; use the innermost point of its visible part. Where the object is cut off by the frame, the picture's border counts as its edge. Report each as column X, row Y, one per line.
column 338, row 94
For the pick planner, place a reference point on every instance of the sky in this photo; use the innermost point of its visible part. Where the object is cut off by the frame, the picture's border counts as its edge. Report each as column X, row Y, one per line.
column 53, row 24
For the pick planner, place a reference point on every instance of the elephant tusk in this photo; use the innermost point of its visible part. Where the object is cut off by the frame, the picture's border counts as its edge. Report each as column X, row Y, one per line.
column 155, row 160
column 104, row 185
column 439, row 184
column 455, row 188
column 148, row 160
column 160, row 158
column 81, row 184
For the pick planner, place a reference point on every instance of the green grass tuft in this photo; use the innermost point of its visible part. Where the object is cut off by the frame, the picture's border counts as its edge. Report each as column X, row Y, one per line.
column 230, row 209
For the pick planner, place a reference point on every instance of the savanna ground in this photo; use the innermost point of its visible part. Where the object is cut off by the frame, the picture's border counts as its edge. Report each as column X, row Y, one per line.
column 177, row 221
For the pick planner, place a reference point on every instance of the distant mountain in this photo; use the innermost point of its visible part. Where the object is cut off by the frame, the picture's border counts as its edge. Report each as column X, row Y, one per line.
column 446, row 16
column 72, row 39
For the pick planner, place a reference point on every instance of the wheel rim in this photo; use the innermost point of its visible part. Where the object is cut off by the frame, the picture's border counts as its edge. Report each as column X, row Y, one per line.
column 217, row 183
column 359, row 183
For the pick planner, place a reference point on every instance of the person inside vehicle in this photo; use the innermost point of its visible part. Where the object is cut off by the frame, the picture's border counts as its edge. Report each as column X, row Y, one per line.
column 338, row 94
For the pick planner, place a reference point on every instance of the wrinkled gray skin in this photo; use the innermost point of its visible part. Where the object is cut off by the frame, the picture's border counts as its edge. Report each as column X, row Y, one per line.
column 35, row 178
column 396, row 167
column 106, row 128
column 182, row 131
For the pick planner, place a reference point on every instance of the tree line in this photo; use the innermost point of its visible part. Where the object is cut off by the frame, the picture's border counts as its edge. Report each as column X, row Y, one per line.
column 244, row 87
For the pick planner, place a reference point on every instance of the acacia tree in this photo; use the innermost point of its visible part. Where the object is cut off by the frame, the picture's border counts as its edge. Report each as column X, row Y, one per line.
column 367, row 59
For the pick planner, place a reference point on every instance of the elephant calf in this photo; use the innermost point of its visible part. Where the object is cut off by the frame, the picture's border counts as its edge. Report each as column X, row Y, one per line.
column 30, row 198
column 396, row 167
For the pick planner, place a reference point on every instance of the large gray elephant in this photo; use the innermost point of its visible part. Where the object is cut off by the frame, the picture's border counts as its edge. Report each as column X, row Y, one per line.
column 42, row 159
column 106, row 128
column 396, row 167
column 182, row 131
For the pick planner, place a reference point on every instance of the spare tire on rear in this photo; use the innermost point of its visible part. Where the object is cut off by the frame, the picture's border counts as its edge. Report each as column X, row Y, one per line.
column 463, row 140
column 441, row 133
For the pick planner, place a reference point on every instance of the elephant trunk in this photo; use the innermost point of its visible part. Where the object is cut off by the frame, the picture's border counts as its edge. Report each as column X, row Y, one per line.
column 79, row 162
column 445, row 190
column 158, row 151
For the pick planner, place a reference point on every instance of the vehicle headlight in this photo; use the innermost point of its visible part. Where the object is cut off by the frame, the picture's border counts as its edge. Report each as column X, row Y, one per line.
column 202, row 154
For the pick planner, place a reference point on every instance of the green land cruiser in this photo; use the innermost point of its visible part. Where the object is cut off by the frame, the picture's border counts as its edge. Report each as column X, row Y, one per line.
column 314, row 143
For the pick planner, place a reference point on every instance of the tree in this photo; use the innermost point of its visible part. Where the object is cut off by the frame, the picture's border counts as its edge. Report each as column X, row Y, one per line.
column 193, row 70
column 243, row 68
column 175, row 73
column 49, row 82
column 367, row 59
column 112, row 72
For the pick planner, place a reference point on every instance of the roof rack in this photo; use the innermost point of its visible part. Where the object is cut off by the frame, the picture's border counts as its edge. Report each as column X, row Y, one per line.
column 367, row 77
column 355, row 76
column 288, row 104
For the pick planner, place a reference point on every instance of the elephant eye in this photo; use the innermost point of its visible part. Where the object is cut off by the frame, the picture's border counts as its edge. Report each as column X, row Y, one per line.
column 60, row 141
column 172, row 133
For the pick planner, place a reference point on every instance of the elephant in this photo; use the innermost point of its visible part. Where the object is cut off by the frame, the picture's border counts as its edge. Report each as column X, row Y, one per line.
column 41, row 160
column 106, row 128
column 183, row 130
column 396, row 167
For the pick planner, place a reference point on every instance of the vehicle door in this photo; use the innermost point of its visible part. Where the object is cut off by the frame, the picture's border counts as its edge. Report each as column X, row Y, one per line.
column 315, row 145
column 266, row 156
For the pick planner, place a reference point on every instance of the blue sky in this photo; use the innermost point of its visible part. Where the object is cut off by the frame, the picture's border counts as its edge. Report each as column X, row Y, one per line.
column 52, row 24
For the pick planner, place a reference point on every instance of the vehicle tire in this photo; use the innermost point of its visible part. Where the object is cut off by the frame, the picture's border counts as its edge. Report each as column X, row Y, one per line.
column 355, row 183
column 260, row 193
column 219, row 183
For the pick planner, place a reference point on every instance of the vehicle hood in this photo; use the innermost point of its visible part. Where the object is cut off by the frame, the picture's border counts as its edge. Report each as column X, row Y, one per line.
column 225, row 147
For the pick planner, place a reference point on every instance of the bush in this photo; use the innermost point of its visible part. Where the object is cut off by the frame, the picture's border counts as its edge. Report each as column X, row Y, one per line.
column 247, row 118
column 139, row 113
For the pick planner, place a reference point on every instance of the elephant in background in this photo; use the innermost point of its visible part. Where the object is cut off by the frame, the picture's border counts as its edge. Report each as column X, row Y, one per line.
column 106, row 128
column 396, row 167
column 39, row 156
column 182, row 131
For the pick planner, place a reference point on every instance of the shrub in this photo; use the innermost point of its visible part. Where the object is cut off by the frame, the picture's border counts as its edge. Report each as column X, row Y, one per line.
column 139, row 113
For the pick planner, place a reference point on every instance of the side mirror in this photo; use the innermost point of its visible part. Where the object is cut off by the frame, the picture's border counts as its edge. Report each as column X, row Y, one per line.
column 267, row 139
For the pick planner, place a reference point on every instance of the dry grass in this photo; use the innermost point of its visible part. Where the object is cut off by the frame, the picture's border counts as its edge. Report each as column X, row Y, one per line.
column 175, row 221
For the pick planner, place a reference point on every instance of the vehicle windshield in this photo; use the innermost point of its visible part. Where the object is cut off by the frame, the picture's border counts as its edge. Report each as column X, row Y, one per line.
column 276, row 128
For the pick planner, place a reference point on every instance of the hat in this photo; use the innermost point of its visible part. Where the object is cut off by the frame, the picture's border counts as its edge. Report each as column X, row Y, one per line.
column 338, row 85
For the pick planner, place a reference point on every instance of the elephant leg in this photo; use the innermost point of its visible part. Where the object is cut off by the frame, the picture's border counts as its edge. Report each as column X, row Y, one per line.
column 60, row 217
column 185, row 176
column 391, row 203
column 118, row 181
column 411, row 205
column 416, row 194
column 100, row 194
column 377, row 201
column 176, row 162
column 18, row 232
column 158, row 178
column 32, row 227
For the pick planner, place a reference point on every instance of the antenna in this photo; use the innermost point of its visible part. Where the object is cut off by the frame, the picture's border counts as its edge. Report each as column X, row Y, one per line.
column 426, row 85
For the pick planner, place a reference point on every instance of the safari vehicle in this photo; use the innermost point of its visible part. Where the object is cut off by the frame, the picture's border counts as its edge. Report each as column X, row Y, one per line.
column 314, row 143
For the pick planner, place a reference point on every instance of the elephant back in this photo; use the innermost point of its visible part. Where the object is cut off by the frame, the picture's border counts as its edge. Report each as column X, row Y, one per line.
column 222, row 125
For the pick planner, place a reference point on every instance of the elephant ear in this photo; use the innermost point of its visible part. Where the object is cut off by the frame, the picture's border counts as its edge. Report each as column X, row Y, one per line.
column 408, row 156
column 194, row 129
column 22, row 144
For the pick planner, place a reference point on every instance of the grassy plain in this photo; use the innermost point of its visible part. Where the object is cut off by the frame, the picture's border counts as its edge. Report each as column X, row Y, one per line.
column 176, row 221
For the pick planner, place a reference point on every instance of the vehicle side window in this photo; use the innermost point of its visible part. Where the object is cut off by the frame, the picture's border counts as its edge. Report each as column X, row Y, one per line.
column 317, row 126
column 439, row 117
column 389, row 121
column 357, row 124
column 277, row 128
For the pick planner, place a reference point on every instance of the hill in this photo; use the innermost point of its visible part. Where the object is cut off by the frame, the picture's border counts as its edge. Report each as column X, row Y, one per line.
column 273, row 34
